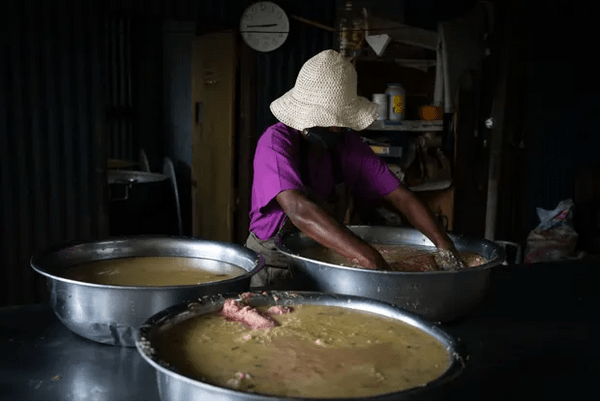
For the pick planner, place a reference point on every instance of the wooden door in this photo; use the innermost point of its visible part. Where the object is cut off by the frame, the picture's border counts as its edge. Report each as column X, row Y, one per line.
column 213, row 108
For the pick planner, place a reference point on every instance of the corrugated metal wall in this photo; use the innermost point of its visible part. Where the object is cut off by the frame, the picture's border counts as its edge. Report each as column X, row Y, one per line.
column 276, row 71
column 52, row 143
column 183, row 10
column 122, row 140
column 55, row 92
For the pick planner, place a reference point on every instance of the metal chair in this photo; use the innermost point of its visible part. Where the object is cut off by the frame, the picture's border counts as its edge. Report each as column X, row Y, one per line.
column 169, row 170
column 144, row 164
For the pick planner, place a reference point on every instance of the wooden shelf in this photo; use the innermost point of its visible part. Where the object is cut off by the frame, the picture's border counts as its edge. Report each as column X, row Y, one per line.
column 432, row 186
column 411, row 60
column 407, row 125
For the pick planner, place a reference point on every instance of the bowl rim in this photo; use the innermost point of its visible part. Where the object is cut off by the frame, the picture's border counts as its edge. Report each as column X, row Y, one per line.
column 37, row 261
column 500, row 254
column 143, row 339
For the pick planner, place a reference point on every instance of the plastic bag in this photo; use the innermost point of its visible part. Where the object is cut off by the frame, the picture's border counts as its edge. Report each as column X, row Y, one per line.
column 554, row 239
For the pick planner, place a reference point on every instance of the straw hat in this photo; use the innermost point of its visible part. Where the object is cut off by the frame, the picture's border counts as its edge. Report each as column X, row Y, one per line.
column 325, row 96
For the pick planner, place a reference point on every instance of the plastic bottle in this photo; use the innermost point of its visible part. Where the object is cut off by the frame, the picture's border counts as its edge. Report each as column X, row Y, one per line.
column 344, row 33
column 352, row 27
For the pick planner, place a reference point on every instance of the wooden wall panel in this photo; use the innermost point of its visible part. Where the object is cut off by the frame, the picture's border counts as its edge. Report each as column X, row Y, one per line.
column 213, row 108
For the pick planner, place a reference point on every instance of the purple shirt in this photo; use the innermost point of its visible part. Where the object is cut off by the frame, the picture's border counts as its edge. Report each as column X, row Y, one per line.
column 277, row 168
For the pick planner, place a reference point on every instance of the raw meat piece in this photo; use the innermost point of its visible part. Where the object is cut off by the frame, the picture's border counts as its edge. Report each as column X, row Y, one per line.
column 247, row 315
column 415, row 263
column 278, row 310
column 246, row 295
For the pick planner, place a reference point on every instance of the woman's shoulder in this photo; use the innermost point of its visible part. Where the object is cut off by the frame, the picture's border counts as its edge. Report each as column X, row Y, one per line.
column 278, row 135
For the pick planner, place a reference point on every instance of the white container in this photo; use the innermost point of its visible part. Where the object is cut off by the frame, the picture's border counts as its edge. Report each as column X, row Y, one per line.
column 396, row 101
column 382, row 105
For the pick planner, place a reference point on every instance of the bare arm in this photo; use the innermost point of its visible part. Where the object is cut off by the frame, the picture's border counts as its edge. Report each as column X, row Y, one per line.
column 419, row 216
column 318, row 225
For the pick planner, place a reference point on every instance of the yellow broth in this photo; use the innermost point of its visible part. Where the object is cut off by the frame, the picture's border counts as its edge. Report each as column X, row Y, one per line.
column 316, row 352
column 153, row 271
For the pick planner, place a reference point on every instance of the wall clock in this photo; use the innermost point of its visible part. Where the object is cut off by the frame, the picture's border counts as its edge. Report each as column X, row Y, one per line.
column 264, row 26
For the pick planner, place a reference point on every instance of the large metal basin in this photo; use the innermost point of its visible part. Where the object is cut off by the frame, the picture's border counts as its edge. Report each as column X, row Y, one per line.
column 173, row 386
column 112, row 314
column 437, row 296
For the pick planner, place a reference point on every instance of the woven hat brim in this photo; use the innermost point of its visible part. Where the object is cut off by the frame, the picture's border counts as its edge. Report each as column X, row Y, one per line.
column 356, row 115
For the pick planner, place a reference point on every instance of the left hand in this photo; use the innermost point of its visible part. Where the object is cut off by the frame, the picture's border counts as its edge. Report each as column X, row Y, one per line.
column 448, row 259
column 420, row 217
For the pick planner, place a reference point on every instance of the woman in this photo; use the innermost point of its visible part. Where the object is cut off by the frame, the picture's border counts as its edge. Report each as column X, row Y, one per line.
column 302, row 162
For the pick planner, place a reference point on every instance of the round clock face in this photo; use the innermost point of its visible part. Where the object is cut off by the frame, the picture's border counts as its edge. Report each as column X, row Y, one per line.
column 264, row 26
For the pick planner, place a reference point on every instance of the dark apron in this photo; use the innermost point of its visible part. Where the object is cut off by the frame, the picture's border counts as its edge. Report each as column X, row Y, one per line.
column 276, row 273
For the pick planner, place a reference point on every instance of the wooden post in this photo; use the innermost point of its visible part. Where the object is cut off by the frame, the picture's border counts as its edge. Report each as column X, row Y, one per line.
column 213, row 107
column 497, row 138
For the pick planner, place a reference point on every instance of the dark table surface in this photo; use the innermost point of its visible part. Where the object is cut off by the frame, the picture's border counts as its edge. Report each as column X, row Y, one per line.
column 533, row 338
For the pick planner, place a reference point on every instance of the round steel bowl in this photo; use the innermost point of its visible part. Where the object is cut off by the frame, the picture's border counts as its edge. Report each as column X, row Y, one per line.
column 174, row 386
column 111, row 314
column 438, row 296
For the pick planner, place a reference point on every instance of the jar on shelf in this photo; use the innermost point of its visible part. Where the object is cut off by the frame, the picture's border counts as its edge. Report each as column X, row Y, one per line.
column 381, row 100
column 396, row 101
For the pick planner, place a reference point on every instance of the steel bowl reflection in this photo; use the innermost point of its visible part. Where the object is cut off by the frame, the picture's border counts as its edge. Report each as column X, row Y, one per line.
column 439, row 296
column 175, row 386
column 112, row 314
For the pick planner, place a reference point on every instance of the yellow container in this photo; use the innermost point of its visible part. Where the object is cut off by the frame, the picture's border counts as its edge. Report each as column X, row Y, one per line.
column 396, row 101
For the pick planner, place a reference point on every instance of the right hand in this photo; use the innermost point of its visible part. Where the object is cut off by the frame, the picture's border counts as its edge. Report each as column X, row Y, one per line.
column 318, row 225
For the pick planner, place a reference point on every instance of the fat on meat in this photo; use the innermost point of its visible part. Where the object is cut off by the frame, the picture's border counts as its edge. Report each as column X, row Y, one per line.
column 247, row 315
column 278, row 310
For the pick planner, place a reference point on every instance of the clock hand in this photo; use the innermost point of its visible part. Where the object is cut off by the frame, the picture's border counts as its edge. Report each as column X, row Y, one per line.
column 261, row 26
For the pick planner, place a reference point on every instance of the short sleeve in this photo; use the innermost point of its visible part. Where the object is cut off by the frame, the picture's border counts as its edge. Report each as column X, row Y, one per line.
column 276, row 165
